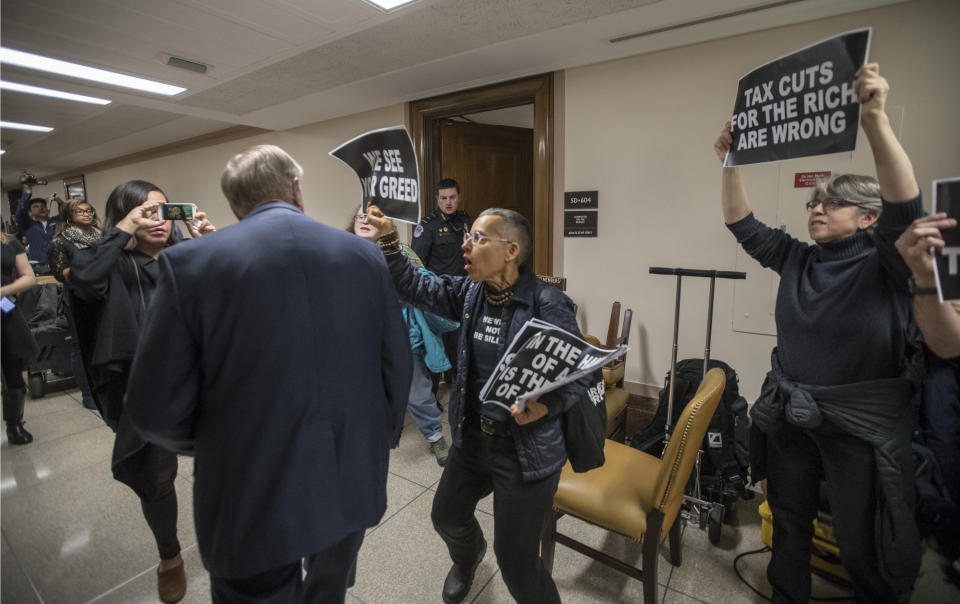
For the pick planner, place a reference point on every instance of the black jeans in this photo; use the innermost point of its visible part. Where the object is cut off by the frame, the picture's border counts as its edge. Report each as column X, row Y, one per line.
column 797, row 460
column 482, row 464
column 330, row 572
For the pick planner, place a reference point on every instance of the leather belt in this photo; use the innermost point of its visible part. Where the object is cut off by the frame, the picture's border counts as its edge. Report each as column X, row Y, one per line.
column 492, row 427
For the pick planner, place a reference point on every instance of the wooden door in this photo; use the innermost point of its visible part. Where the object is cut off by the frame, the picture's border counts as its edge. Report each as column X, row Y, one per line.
column 493, row 164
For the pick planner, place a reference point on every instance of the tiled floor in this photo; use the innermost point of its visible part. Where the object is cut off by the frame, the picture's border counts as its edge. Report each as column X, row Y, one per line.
column 70, row 533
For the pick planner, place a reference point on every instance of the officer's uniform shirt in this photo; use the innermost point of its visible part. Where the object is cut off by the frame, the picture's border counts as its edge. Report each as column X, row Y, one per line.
column 437, row 240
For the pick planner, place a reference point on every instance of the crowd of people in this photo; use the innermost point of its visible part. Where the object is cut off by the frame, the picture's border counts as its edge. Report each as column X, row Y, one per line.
column 288, row 381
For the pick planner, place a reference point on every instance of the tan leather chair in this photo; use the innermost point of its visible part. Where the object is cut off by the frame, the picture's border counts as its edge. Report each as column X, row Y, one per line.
column 613, row 372
column 635, row 494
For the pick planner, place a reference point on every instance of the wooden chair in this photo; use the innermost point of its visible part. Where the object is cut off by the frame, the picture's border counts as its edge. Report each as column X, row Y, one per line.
column 635, row 494
column 613, row 373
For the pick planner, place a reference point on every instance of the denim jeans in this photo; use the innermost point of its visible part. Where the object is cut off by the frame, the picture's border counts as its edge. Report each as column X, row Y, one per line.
column 422, row 404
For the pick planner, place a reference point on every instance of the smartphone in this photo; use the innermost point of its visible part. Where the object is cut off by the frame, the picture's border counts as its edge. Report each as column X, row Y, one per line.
column 176, row 211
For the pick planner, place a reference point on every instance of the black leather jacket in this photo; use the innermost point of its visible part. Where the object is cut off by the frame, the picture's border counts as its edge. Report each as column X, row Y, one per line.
column 540, row 445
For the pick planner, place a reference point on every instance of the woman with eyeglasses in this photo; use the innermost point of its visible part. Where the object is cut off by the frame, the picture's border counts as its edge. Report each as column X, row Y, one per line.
column 114, row 284
column 77, row 229
column 517, row 455
column 834, row 406
column 425, row 330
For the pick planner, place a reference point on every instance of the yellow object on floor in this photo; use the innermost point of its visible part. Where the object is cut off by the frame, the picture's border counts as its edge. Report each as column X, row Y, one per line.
column 824, row 555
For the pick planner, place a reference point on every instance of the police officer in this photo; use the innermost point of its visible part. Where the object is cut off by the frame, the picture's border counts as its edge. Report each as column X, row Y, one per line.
column 438, row 237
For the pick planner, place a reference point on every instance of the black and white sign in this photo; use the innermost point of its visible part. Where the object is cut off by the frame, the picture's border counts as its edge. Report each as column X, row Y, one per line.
column 580, row 224
column 800, row 105
column 387, row 166
column 581, row 200
column 541, row 358
column 946, row 198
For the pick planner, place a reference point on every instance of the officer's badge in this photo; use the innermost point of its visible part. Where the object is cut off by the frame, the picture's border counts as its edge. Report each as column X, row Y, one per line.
column 418, row 231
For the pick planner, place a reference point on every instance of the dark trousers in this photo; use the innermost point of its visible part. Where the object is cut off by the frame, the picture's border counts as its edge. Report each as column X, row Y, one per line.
column 482, row 464
column 330, row 572
column 797, row 460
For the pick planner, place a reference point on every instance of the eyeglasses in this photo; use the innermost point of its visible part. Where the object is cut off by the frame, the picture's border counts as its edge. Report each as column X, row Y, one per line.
column 832, row 203
column 90, row 212
column 359, row 217
column 478, row 238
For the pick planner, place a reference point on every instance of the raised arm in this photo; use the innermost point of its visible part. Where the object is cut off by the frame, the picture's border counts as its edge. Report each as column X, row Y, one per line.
column 938, row 321
column 733, row 195
column 894, row 170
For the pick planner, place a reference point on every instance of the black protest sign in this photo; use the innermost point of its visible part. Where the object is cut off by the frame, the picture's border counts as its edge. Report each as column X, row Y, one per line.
column 800, row 105
column 541, row 358
column 946, row 198
column 387, row 166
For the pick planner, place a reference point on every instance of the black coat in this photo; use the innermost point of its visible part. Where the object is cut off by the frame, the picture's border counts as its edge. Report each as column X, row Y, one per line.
column 540, row 445
column 275, row 352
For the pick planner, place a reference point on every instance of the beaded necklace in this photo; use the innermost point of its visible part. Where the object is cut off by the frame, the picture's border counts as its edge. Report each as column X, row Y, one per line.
column 497, row 299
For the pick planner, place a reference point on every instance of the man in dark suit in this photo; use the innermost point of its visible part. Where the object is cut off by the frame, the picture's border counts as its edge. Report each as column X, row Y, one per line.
column 275, row 352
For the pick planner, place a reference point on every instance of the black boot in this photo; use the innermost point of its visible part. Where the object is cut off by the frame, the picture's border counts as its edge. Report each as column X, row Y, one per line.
column 13, row 415
column 457, row 584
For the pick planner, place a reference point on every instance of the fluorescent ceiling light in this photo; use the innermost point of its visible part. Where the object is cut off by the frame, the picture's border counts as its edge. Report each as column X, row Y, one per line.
column 2, row 151
column 389, row 4
column 31, row 61
column 19, row 126
column 57, row 94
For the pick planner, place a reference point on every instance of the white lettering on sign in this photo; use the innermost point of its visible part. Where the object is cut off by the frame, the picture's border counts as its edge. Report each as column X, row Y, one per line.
column 951, row 254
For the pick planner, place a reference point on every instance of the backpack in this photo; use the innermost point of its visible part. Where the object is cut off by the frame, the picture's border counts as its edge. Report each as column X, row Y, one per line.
column 585, row 423
column 726, row 445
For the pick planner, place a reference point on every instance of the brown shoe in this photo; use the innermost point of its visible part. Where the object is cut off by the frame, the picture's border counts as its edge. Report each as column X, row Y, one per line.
column 172, row 583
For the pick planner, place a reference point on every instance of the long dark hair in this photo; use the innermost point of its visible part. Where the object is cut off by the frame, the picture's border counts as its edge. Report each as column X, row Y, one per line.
column 128, row 196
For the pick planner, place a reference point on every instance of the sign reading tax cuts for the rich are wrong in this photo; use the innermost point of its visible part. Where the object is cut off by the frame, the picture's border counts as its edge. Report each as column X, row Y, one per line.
column 386, row 164
column 800, row 105
column 946, row 198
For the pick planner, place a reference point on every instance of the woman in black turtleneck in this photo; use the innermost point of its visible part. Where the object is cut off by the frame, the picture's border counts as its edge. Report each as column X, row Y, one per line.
column 842, row 314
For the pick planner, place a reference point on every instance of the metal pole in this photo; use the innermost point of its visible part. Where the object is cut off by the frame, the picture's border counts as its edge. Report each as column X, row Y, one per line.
column 706, row 350
column 673, row 364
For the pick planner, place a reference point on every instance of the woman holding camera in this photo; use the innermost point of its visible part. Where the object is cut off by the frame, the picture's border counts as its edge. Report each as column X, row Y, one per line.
column 77, row 230
column 114, row 284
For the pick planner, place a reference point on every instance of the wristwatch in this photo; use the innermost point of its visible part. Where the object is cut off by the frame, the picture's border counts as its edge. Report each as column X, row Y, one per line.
column 920, row 291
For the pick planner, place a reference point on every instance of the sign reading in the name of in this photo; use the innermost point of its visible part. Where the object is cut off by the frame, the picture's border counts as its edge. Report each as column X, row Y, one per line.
column 800, row 105
column 803, row 180
column 581, row 200
column 386, row 164
column 580, row 224
column 541, row 358
column 946, row 198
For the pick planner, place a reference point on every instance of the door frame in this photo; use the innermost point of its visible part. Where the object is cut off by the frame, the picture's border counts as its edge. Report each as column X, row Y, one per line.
column 426, row 115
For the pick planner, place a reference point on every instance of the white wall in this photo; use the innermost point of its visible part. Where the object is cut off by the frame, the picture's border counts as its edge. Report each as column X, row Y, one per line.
column 641, row 131
column 330, row 188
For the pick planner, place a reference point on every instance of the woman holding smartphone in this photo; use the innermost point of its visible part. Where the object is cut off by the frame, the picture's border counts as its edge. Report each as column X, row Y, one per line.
column 114, row 285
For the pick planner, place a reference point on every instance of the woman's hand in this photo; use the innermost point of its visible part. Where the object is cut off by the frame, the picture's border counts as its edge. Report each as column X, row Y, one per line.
column 918, row 241
column 723, row 142
column 142, row 216
column 378, row 221
column 532, row 411
column 205, row 225
column 871, row 89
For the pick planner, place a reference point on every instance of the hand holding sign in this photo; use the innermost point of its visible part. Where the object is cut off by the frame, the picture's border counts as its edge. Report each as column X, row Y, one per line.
column 872, row 90
column 919, row 242
column 532, row 411
column 377, row 220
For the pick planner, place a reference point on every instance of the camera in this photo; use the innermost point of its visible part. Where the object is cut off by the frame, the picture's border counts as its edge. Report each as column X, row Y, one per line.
column 29, row 179
column 176, row 211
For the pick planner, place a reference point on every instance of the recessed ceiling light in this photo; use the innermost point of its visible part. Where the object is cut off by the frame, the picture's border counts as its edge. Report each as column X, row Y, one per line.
column 32, row 61
column 389, row 4
column 57, row 94
column 19, row 126
column 2, row 151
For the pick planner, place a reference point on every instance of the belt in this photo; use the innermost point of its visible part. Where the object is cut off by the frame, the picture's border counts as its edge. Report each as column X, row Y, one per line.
column 492, row 427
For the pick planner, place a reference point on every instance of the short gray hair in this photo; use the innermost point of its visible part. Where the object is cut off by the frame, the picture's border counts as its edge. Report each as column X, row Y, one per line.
column 260, row 173
column 516, row 228
column 865, row 190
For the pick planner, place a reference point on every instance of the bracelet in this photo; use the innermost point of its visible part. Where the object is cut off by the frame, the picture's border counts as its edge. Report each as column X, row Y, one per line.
column 390, row 243
column 920, row 291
